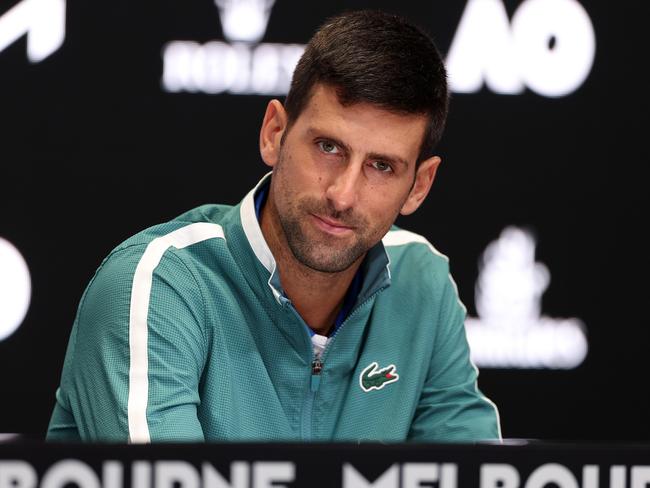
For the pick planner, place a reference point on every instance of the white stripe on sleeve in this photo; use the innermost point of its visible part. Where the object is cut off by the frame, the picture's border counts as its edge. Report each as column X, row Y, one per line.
column 138, row 316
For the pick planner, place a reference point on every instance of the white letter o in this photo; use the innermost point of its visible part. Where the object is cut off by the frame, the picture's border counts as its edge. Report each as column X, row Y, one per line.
column 560, row 70
column 70, row 471
column 552, row 473
column 15, row 288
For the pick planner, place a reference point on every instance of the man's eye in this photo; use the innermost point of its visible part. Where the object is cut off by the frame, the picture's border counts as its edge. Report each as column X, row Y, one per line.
column 328, row 147
column 382, row 166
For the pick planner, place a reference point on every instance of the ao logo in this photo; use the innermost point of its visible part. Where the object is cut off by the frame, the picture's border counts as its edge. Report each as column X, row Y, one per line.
column 15, row 289
column 549, row 47
column 42, row 20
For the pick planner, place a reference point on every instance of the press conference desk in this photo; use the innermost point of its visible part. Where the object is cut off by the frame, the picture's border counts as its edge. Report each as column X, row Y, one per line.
column 30, row 464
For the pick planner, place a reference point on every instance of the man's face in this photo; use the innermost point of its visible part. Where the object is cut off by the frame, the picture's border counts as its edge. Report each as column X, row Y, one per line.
column 341, row 177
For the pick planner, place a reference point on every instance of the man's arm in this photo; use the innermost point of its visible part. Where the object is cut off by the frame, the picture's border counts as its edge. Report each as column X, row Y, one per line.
column 451, row 407
column 135, row 355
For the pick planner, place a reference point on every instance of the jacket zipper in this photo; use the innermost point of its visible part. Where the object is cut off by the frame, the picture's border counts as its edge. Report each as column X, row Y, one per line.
column 316, row 368
column 308, row 405
column 352, row 313
column 317, row 365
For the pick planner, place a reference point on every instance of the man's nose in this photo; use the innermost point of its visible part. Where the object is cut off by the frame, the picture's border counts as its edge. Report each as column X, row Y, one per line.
column 344, row 189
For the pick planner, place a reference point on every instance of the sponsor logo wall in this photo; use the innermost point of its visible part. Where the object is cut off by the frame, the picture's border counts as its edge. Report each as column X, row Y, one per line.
column 548, row 47
column 114, row 122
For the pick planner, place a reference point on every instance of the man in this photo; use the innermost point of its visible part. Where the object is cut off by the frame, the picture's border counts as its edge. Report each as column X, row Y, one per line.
column 298, row 314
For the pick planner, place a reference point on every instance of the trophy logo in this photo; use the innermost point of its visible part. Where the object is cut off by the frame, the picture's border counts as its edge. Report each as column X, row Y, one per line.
column 244, row 20
column 511, row 330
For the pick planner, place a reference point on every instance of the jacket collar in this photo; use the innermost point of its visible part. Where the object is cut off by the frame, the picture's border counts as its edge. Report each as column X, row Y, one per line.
column 376, row 266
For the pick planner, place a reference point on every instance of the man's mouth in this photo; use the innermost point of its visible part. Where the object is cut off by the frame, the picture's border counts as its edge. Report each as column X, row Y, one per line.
column 330, row 225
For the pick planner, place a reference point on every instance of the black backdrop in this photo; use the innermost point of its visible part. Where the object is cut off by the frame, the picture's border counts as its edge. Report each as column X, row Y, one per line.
column 93, row 149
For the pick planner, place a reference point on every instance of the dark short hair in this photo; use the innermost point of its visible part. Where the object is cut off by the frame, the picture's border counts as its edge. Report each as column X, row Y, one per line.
column 375, row 57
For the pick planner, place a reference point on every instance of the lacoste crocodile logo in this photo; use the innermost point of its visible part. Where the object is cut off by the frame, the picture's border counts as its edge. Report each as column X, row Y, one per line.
column 373, row 378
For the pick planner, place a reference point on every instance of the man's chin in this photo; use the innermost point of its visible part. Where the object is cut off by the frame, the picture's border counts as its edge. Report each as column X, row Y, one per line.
column 329, row 261
column 326, row 267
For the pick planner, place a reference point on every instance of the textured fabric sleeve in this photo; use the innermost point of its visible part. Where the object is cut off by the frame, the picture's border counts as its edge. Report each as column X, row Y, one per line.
column 451, row 407
column 62, row 426
column 134, row 360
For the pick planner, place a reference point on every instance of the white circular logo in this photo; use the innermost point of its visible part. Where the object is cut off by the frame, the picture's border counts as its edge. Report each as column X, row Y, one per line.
column 15, row 289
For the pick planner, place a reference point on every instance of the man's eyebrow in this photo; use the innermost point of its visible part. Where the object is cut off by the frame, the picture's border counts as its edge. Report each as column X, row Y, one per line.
column 314, row 132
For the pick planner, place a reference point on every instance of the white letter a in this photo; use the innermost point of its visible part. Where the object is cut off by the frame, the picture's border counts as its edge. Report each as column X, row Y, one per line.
column 483, row 50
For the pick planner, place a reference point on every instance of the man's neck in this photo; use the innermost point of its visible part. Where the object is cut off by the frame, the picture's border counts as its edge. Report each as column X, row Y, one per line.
column 317, row 296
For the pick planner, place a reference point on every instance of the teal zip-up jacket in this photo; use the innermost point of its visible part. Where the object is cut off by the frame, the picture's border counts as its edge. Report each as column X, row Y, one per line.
column 184, row 334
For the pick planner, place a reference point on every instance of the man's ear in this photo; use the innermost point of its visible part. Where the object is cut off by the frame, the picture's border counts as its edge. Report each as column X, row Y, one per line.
column 273, row 127
column 424, row 176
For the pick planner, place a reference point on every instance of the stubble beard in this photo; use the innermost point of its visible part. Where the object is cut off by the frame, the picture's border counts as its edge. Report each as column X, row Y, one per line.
column 312, row 248
column 327, row 254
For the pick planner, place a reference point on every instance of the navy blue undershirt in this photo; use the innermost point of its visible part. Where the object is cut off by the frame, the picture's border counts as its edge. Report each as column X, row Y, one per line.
column 354, row 289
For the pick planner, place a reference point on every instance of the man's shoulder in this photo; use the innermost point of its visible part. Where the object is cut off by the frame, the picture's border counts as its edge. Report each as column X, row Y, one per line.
column 200, row 224
column 414, row 261
column 193, row 223
column 211, row 212
column 406, row 246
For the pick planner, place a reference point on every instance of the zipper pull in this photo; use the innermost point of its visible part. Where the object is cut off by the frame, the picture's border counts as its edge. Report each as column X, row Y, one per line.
column 316, row 367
